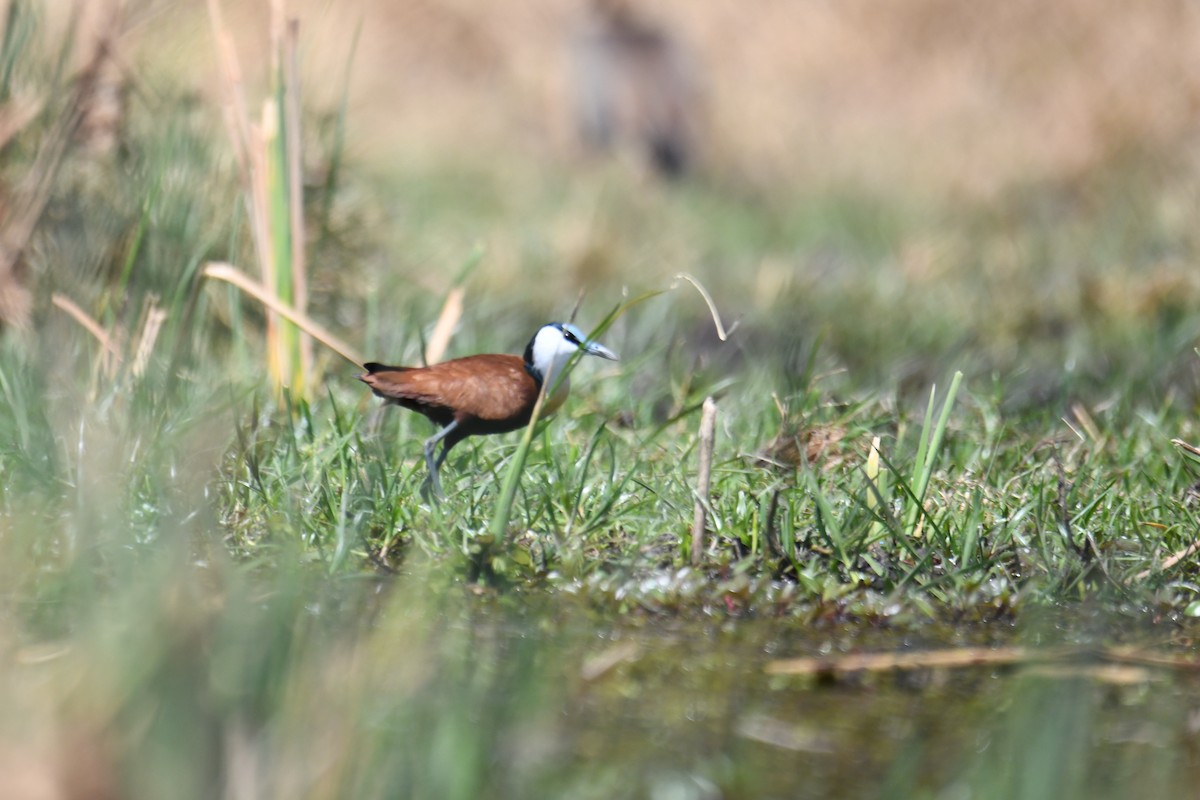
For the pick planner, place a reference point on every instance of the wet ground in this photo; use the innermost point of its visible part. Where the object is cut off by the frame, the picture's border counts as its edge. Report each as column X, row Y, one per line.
column 668, row 708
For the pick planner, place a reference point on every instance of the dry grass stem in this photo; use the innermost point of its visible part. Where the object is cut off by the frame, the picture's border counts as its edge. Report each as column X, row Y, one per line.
column 443, row 329
column 1073, row 661
column 265, row 164
column 723, row 333
column 88, row 324
column 232, row 275
column 1170, row 562
column 299, row 238
column 897, row 662
column 1190, row 449
column 708, row 431
column 151, row 327
column 237, row 118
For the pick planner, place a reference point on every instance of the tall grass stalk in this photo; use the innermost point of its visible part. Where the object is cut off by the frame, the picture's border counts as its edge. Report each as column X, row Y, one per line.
column 269, row 158
column 708, row 431
column 512, row 477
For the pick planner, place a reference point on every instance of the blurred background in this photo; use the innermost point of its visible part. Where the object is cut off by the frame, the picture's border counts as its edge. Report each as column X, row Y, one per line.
column 1003, row 189
column 936, row 97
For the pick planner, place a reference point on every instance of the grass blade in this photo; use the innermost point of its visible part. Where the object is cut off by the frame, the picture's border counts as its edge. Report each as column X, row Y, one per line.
column 927, row 452
column 512, row 477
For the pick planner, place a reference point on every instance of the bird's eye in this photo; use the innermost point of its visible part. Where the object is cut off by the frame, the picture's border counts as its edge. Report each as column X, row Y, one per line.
column 570, row 336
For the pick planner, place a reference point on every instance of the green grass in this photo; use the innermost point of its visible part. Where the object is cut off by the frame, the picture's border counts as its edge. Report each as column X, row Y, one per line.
column 206, row 591
column 1010, row 516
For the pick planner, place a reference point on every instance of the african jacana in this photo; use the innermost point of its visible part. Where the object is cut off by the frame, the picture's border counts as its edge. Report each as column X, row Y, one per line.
column 483, row 394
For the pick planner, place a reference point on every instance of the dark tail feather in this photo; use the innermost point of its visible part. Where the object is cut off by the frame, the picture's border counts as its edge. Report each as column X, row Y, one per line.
column 372, row 368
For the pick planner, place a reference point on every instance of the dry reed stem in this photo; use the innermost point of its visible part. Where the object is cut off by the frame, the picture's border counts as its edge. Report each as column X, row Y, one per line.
column 1112, row 674
column 708, row 430
column 1074, row 661
column 578, row 304
column 1187, row 448
column 232, row 275
column 292, row 121
column 257, row 201
column 237, row 118
column 155, row 317
column 253, row 144
column 451, row 313
column 1171, row 561
column 248, row 140
column 897, row 662
column 89, row 324
column 1133, row 655
column 723, row 333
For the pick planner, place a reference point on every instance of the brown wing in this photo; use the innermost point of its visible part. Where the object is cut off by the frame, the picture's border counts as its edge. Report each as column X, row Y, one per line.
column 493, row 388
column 396, row 384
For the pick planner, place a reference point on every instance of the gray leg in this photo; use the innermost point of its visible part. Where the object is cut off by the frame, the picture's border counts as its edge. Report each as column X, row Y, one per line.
column 434, row 466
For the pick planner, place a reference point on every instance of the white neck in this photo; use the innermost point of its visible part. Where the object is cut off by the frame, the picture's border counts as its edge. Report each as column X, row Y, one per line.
column 551, row 352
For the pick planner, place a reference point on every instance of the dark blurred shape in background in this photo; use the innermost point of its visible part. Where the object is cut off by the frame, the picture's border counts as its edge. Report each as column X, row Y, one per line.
column 104, row 95
column 635, row 86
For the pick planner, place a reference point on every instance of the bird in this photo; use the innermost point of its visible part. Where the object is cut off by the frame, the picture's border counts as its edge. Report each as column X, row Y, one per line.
column 637, row 84
column 483, row 394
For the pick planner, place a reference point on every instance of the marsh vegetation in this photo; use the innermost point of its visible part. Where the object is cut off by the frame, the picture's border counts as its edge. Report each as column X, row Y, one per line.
column 953, row 502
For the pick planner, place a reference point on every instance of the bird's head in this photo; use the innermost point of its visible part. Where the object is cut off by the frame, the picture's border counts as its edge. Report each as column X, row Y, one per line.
column 553, row 346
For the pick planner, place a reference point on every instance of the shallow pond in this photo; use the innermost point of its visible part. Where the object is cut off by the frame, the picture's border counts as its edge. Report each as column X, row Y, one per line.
column 194, row 684
column 568, row 707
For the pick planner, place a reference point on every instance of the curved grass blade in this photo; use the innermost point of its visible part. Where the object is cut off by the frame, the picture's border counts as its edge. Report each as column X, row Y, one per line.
column 512, row 477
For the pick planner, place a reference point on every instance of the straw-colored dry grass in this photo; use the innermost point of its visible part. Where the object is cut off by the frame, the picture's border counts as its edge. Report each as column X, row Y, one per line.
column 934, row 95
column 824, row 121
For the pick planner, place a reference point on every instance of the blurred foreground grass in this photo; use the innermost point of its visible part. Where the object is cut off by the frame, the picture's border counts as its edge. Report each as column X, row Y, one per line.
column 204, row 592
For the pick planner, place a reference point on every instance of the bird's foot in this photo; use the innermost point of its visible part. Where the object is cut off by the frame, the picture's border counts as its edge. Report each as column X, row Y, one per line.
column 431, row 489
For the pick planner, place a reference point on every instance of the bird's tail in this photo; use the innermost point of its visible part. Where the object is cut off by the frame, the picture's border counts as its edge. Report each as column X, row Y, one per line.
column 385, row 381
column 372, row 367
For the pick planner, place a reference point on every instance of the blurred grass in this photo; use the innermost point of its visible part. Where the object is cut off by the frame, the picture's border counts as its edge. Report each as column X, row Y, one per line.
column 207, row 591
